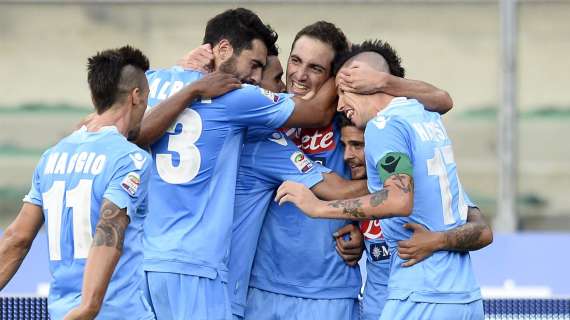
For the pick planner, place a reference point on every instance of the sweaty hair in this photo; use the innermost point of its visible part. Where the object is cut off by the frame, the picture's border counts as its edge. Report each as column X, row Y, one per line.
column 382, row 48
column 114, row 72
column 326, row 32
column 343, row 120
column 240, row 27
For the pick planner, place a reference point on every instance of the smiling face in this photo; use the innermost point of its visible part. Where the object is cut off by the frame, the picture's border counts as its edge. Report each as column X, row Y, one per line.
column 353, row 140
column 309, row 65
column 358, row 108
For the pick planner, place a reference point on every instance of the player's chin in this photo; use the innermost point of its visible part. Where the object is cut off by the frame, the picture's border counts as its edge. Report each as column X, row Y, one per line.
column 133, row 134
column 358, row 173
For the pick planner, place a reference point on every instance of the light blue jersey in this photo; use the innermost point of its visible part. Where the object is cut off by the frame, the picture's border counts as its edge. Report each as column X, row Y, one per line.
column 192, row 185
column 296, row 255
column 268, row 159
column 70, row 183
column 439, row 202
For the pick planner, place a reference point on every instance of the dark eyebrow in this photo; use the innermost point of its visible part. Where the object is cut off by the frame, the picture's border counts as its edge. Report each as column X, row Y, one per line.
column 258, row 63
column 317, row 66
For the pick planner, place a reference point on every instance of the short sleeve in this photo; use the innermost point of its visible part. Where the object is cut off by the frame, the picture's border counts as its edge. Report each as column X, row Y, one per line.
column 129, row 184
column 387, row 136
column 34, row 196
column 278, row 159
column 252, row 105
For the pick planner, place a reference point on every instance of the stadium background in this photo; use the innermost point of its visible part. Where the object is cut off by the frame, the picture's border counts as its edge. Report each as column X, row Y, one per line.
column 452, row 44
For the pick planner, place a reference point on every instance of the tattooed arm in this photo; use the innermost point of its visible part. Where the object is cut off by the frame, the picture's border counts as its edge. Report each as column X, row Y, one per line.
column 473, row 235
column 395, row 199
column 17, row 240
column 103, row 257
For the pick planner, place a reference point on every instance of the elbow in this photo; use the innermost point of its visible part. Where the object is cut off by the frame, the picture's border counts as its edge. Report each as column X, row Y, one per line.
column 486, row 236
column 18, row 240
column 447, row 102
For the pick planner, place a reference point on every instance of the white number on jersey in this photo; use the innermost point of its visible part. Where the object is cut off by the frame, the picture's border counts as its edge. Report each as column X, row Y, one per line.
column 183, row 144
column 437, row 167
column 79, row 200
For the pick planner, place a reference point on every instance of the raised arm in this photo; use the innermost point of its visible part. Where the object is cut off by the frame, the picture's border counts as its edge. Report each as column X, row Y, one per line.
column 395, row 199
column 17, row 240
column 473, row 235
column 160, row 117
column 361, row 78
column 315, row 112
column 104, row 255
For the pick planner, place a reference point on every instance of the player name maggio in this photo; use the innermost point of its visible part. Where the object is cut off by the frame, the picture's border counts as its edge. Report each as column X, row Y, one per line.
column 85, row 162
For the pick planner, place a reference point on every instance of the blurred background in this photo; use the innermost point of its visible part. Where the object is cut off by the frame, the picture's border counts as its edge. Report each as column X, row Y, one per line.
column 456, row 45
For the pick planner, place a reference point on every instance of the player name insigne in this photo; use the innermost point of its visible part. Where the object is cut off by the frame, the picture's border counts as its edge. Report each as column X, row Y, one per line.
column 83, row 162
column 430, row 131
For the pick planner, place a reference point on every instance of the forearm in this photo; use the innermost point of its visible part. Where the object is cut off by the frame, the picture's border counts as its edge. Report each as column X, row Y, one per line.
column 473, row 235
column 333, row 187
column 160, row 117
column 434, row 99
column 314, row 113
column 386, row 203
column 98, row 271
column 12, row 253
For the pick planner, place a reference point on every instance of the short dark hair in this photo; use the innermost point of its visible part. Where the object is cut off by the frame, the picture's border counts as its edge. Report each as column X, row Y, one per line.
column 105, row 74
column 240, row 27
column 382, row 48
column 326, row 32
column 343, row 120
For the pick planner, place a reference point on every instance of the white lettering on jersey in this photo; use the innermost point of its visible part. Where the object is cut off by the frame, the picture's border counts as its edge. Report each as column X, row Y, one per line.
column 153, row 88
column 61, row 163
column 430, row 131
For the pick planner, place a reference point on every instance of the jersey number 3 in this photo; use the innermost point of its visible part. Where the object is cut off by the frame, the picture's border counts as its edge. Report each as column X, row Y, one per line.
column 182, row 143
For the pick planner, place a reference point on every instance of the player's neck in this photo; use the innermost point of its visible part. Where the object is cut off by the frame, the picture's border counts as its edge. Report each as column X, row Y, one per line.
column 382, row 102
column 116, row 116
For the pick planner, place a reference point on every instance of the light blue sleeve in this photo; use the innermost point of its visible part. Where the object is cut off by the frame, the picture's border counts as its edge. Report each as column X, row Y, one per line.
column 252, row 105
column 129, row 184
column 384, row 135
column 278, row 159
column 468, row 201
column 34, row 196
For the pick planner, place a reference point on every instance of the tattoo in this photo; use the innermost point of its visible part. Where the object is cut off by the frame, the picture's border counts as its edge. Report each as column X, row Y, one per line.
column 466, row 237
column 400, row 182
column 379, row 197
column 349, row 207
column 110, row 230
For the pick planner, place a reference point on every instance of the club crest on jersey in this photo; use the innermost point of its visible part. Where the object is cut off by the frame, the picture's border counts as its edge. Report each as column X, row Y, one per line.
column 380, row 121
column 138, row 159
column 278, row 138
column 302, row 163
column 371, row 229
column 270, row 95
column 131, row 183
column 379, row 251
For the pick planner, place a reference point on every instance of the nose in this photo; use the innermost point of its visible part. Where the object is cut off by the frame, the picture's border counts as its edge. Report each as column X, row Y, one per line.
column 256, row 76
column 348, row 154
column 302, row 74
column 340, row 104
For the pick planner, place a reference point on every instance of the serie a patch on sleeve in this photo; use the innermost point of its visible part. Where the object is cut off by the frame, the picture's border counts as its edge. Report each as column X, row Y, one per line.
column 394, row 163
column 301, row 162
column 131, row 183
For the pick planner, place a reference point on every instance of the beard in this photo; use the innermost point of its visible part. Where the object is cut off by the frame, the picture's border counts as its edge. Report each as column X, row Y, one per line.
column 230, row 66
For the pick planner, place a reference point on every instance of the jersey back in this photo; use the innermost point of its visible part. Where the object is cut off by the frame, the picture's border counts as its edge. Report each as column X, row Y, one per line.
column 70, row 183
column 192, row 185
column 296, row 255
column 404, row 127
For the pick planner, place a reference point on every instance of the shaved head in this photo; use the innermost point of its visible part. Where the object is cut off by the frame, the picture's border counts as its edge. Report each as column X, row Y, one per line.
column 370, row 58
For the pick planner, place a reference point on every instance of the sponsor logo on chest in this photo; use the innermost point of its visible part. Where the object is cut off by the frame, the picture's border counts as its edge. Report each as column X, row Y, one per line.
column 371, row 230
column 312, row 141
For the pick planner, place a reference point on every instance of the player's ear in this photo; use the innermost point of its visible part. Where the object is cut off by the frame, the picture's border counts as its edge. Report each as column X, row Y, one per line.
column 223, row 50
column 136, row 96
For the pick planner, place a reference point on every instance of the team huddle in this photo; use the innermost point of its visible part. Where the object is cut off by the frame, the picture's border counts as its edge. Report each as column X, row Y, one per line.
column 213, row 190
